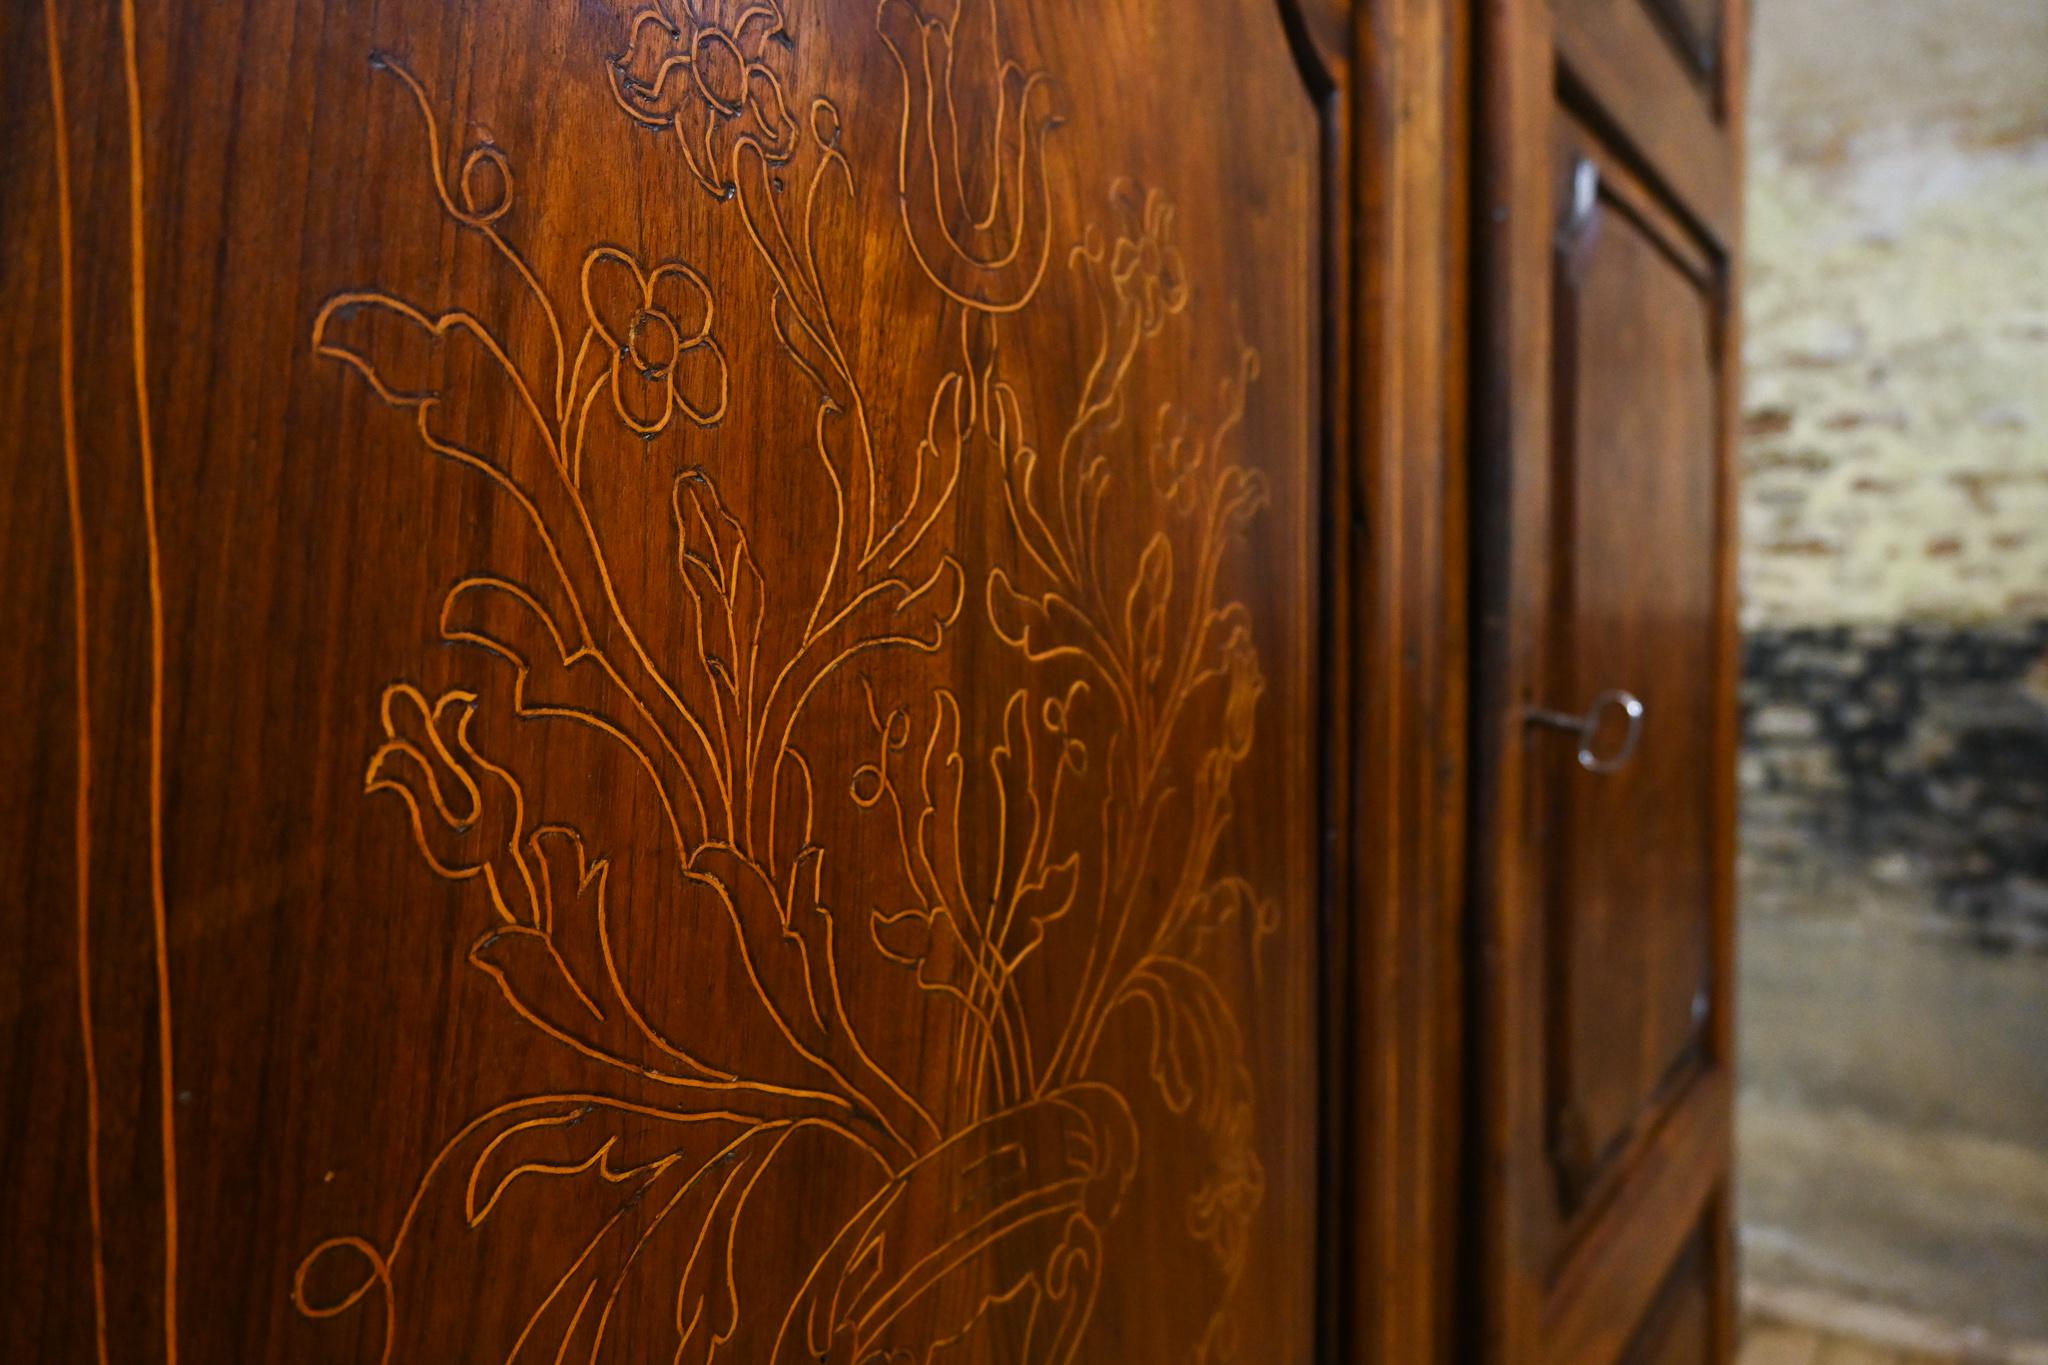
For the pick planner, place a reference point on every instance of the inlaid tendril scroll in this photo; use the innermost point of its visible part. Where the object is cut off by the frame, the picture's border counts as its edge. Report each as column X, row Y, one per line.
column 991, row 1179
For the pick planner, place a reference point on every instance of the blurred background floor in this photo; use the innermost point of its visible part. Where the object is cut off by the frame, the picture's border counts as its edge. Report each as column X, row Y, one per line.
column 1771, row 1344
column 1775, row 1345
column 1879, row 1340
column 1896, row 1087
column 1892, row 1149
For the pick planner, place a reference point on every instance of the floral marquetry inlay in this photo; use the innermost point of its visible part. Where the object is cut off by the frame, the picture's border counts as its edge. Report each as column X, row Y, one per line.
column 1033, row 886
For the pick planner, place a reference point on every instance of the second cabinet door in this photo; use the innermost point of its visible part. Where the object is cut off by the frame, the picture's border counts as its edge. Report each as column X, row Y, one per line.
column 1605, row 684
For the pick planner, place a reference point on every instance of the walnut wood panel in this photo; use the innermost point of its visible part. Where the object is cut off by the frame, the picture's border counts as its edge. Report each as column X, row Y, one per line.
column 1629, row 875
column 1603, row 543
column 689, row 678
column 1618, row 61
column 1678, row 1328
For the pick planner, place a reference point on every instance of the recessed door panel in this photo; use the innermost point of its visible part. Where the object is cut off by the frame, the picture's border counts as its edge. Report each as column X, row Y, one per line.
column 1626, row 806
column 1605, row 683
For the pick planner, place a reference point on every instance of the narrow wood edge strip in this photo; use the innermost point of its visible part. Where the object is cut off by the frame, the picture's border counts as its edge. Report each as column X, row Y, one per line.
column 146, row 455
column 67, row 394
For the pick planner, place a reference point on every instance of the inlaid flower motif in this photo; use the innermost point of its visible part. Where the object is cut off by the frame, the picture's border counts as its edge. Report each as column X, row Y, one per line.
column 700, row 67
column 1145, row 269
column 656, row 326
column 968, row 1213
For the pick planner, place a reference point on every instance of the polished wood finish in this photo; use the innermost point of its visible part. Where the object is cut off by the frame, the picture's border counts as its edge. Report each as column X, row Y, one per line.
column 1600, row 1097
column 1403, row 1027
column 732, row 681
column 735, row 681
column 1678, row 1326
column 1627, row 873
column 1617, row 66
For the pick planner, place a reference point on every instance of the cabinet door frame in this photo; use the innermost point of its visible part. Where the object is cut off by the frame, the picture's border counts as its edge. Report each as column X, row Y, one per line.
column 1397, row 140
column 1610, row 65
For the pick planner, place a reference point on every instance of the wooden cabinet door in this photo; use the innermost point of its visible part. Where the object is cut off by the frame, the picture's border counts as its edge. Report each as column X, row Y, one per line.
column 1603, row 852
column 681, row 679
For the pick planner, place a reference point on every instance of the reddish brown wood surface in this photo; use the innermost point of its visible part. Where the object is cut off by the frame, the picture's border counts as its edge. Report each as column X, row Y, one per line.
column 1627, row 855
column 1679, row 1326
column 729, row 681
column 1602, row 903
column 1406, row 593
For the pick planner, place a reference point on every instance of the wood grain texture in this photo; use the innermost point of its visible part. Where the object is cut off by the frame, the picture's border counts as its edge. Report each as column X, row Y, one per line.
column 1617, row 60
column 1627, row 862
column 1603, row 547
column 1675, row 1329
column 725, row 680
column 1405, row 595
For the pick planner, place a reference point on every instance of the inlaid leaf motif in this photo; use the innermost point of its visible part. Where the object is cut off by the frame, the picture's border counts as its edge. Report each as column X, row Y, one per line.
column 1028, row 866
